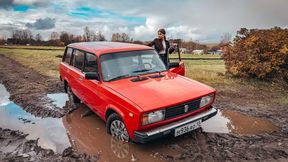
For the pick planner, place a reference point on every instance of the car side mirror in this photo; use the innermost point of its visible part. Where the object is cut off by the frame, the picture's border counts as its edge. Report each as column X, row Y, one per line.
column 92, row 75
column 173, row 65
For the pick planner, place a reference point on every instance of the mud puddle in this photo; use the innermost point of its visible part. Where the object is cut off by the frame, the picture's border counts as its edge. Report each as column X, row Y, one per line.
column 88, row 134
column 227, row 121
column 50, row 131
column 58, row 99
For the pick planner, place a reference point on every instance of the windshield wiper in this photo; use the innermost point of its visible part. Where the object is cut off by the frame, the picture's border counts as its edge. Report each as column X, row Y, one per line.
column 120, row 77
column 142, row 70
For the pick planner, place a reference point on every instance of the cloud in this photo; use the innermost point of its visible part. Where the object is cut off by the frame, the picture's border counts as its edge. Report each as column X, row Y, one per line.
column 204, row 20
column 42, row 24
column 6, row 4
column 31, row 3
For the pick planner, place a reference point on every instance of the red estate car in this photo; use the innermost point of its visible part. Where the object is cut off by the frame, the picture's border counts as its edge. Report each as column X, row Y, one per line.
column 131, row 89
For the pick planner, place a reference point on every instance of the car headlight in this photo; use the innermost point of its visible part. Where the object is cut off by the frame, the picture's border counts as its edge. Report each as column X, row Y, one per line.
column 206, row 100
column 153, row 117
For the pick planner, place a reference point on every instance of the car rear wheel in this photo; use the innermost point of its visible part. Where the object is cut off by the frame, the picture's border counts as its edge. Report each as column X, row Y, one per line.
column 116, row 127
column 72, row 97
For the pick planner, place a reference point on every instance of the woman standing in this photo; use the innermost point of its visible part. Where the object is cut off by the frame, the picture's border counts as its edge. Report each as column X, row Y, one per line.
column 162, row 46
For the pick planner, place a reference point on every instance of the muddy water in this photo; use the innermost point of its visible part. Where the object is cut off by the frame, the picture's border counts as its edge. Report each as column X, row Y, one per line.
column 58, row 99
column 227, row 121
column 50, row 131
column 88, row 135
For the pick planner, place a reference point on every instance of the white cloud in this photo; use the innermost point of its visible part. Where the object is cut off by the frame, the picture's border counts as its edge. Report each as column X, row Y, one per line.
column 203, row 20
column 184, row 31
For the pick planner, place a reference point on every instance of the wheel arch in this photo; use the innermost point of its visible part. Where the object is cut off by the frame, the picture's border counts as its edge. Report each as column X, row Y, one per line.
column 110, row 110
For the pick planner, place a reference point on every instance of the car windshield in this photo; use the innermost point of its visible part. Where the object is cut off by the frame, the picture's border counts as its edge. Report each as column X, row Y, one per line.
column 132, row 63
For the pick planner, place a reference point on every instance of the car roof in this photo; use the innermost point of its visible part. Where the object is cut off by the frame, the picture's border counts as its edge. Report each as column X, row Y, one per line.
column 100, row 48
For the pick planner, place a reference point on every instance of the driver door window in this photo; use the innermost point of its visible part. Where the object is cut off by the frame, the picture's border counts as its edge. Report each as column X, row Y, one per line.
column 90, row 63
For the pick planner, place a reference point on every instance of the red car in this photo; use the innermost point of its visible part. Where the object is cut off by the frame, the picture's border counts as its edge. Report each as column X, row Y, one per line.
column 131, row 89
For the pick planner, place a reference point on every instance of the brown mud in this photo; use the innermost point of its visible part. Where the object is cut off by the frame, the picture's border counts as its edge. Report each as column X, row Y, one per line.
column 265, row 138
column 28, row 88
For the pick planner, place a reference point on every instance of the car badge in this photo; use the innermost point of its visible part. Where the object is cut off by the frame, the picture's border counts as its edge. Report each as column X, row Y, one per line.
column 186, row 107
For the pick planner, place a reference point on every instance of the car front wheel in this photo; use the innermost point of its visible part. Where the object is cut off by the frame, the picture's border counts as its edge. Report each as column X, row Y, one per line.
column 117, row 128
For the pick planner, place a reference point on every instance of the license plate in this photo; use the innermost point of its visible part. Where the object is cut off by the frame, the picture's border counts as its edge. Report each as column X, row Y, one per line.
column 187, row 128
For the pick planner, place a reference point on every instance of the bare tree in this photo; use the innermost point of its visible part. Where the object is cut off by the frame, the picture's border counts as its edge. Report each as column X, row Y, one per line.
column 22, row 36
column 117, row 37
column 64, row 37
column 225, row 38
column 38, row 37
column 99, row 36
column 125, row 37
column 89, row 35
column 54, row 36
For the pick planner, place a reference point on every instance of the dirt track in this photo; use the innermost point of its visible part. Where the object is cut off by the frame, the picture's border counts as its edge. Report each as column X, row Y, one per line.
column 29, row 89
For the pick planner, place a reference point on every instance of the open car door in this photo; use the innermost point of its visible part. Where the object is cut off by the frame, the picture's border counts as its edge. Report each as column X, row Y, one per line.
column 176, row 65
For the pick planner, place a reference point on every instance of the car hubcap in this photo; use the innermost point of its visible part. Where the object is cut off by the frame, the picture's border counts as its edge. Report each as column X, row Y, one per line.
column 118, row 130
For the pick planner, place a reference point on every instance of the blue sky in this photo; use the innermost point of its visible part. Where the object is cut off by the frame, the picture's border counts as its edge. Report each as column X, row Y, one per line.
column 21, row 8
column 88, row 12
column 201, row 20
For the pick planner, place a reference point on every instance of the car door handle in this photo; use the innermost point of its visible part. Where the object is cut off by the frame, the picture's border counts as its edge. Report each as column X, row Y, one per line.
column 80, row 78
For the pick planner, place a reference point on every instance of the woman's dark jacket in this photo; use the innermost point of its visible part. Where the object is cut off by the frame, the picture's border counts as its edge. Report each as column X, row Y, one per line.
column 157, row 43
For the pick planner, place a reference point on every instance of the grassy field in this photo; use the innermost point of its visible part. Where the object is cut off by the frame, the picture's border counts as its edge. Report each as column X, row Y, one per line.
column 43, row 61
column 174, row 55
column 32, row 47
column 211, row 72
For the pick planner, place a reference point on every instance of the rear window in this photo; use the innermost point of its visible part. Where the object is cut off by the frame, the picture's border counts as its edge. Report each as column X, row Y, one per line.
column 68, row 55
column 78, row 59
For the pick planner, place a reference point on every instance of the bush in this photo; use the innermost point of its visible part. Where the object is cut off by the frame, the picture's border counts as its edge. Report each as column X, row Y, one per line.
column 260, row 53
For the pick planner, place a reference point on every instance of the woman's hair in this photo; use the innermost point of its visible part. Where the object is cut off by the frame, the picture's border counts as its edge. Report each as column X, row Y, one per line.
column 162, row 31
column 158, row 42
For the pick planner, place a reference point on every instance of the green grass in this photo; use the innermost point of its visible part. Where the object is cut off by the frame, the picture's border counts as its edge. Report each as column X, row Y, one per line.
column 210, row 72
column 32, row 47
column 207, row 71
column 175, row 55
column 43, row 61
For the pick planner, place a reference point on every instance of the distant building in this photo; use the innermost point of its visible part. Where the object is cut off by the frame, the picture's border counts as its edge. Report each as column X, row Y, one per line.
column 183, row 50
column 198, row 52
column 218, row 52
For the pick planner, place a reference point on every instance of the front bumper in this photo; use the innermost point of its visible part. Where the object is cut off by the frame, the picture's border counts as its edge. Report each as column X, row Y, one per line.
column 143, row 137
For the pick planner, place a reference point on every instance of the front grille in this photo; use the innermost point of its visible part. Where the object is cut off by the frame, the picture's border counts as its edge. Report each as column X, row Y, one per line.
column 178, row 110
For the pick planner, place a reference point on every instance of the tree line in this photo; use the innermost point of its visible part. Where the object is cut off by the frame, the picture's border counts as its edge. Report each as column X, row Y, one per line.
column 25, row 37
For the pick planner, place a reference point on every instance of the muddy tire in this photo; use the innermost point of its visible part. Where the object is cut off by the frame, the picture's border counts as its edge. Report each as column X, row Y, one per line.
column 116, row 127
column 72, row 96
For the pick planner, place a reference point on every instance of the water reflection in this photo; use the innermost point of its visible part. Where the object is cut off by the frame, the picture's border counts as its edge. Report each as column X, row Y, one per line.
column 227, row 121
column 58, row 99
column 50, row 131
column 88, row 134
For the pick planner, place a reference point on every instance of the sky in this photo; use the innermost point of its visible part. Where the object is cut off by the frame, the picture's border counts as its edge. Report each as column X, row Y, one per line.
column 198, row 20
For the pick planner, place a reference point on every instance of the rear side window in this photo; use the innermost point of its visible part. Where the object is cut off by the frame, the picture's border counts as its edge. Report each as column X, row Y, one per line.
column 78, row 59
column 68, row 55
column 90, row 63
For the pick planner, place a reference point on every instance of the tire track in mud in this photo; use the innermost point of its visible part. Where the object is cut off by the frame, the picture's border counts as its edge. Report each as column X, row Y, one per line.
column 28, row 88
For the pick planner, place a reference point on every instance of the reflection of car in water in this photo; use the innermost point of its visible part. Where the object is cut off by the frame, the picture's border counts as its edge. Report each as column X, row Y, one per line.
column 130, row 88
column 86, row 135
